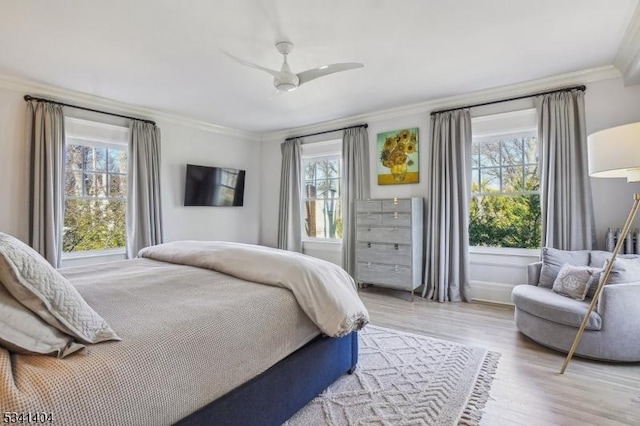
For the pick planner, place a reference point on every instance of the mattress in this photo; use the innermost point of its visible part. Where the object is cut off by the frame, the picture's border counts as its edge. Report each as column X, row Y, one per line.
column 190, row 335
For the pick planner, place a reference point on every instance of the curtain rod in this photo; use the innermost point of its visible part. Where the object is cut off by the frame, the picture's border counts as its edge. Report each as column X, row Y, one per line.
column 33, row 98
column 566, row 89
column 328, row 131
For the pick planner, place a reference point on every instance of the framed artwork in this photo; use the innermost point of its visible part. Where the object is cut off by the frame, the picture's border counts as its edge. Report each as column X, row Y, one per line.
column 398, row 157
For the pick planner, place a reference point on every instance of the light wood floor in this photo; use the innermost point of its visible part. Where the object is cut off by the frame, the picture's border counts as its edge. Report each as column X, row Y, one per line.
column 527, row 389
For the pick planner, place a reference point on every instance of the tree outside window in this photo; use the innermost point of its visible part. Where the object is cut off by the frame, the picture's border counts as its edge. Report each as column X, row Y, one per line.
column 505, row 193
column 95, row 197
column 322, row 198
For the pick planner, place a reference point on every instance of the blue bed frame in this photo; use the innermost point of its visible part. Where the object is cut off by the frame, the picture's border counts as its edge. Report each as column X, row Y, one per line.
column 275, row 395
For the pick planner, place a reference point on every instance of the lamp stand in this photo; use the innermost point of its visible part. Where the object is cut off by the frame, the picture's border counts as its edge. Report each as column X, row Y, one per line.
column 603, row 279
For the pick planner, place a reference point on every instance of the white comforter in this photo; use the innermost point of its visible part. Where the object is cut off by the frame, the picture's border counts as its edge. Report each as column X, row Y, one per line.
column 324, row 291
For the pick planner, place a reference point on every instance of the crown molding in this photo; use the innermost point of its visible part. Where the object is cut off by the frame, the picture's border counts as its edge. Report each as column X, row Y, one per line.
column 96, row 102
column 487, row 95
column 627, row 59
column 519, row 89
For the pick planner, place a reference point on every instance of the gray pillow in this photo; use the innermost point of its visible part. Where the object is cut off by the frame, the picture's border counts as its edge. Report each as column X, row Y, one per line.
column 554, row 259
column 599, row 258
column 573, row 281
column 622, row 272
column 625, row 270
column 23, row 332
column 40, row 288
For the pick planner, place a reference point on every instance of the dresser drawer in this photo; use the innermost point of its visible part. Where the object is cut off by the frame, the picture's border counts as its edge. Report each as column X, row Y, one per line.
column 368, row 206
column 383, row 234
column 396, row 219
column 389, row 275
column 384, row 253
column 402, row 205
column 368, row 218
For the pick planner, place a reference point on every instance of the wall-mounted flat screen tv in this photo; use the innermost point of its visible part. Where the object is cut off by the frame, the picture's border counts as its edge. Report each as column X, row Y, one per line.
column 213, row 186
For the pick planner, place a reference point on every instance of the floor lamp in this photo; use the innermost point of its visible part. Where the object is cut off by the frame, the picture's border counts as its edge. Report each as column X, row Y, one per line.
column 613, row 153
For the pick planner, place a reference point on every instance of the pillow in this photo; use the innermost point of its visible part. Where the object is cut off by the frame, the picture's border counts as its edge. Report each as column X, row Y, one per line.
column 39, row 287
column 573, row 281
column 554, row 259
column 626, row 268
column 597, row 272
column 599, row 258
column 21, row 331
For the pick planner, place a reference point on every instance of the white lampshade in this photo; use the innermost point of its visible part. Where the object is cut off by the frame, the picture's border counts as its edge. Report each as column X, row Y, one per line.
column 615, row 152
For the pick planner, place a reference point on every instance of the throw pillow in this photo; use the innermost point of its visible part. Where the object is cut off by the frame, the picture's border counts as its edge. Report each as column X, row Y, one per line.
column 554, row 259
column 626, row 268
column 599, row 258
column 573, row 281
column 39, row 287
column 21, row 331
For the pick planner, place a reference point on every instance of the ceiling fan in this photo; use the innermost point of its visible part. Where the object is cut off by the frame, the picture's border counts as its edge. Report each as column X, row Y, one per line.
column 285, row 80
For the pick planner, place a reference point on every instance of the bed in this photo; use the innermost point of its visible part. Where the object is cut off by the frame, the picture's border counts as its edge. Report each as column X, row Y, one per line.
column 198, row 346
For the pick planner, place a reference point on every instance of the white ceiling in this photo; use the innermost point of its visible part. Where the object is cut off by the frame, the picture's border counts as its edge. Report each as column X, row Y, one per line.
column 165, row 54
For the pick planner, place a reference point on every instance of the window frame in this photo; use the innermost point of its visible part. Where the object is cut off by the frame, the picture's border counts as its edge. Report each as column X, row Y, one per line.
column 86, row 132
column 500, row 138
column 331, row 149
column 498, row 127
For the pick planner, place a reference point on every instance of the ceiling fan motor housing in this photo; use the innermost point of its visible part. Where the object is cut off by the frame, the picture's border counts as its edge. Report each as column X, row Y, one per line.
column 286, row 80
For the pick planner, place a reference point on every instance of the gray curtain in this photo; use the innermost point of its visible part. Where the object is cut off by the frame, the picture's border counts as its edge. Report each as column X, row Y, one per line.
column 45, row 136
column 144, row 207
column 447, row 214
column 355, row 185
column 289, row 222
column 567, row 205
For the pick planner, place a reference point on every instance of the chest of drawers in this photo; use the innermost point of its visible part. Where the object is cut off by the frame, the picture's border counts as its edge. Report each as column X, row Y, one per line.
column 389, row 242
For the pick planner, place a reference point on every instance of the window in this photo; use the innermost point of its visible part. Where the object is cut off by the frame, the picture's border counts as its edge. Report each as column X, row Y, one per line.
column 321, row 198
column 95, row 187
column 505, row 188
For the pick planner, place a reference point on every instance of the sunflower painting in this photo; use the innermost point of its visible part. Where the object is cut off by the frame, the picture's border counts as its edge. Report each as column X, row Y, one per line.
column 398, row 157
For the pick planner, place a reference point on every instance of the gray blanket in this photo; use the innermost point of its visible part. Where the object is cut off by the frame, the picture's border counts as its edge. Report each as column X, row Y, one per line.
column 324, row 291
column 189, row 336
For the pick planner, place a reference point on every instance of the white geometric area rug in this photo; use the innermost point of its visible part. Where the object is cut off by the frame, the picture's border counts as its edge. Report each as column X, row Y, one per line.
column 406, row 379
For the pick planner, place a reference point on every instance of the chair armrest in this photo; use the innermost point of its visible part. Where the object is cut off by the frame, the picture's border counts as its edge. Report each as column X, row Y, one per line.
column 533, row 273
column 619, row 306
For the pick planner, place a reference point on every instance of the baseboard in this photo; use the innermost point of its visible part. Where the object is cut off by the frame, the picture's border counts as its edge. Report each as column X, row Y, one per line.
column 484, row 291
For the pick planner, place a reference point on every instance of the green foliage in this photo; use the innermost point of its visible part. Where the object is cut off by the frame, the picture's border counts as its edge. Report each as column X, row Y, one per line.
column 505, row 221
column 505, row 206
column 95, row 204
column 94, row 225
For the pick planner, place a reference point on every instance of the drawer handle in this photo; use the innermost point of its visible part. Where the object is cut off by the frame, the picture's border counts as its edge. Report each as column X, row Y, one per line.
column 368, row 245
column 368, row 214
column 368, row 264
column 395, row 201
column 395, row 215
column 369, row 229
column 395, row 246
column 395, row 268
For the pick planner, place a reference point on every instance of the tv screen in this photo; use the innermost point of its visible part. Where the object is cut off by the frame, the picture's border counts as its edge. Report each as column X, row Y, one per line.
column 213, row 186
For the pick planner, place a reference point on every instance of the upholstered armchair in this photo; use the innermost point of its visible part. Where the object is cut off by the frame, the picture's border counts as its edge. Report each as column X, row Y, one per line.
column 551, row 319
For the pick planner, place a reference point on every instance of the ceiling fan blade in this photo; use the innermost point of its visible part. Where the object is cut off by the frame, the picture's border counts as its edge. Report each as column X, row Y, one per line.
column 314, row 73
column 251, row 64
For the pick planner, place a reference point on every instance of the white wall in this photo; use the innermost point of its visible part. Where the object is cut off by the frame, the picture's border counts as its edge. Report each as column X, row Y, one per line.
column 493, row 273
column 609, row 104
column 181, row 144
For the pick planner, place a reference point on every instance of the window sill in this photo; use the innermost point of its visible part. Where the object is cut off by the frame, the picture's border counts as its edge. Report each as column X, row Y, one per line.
column 322, row 245
column 92, row 257
column 505, row 251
